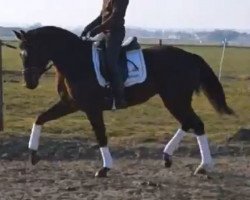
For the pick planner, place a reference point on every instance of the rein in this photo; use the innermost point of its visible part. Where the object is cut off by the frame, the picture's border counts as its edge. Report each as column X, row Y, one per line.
column 35, row 69
column 48, row 67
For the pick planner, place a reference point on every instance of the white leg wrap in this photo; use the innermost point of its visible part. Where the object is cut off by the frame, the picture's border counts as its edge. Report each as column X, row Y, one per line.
column 106, row 157
column 35, row 137
column 173, row 144
column 206, row 158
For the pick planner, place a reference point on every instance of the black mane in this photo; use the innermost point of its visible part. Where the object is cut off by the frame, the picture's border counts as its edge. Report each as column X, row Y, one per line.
column 53, row 32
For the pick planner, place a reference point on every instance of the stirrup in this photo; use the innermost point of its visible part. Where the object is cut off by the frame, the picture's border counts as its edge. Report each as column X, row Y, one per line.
column 121, row 104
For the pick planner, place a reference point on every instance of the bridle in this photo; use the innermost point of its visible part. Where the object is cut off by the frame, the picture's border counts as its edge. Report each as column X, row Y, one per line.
column 36, row 70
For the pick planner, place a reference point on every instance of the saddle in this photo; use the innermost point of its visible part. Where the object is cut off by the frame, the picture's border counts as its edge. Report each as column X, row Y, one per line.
column 131, row 63
column 129, row 45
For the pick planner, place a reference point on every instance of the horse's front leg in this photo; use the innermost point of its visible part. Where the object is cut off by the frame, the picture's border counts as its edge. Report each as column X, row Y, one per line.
column 58, row 110
column 96, row 119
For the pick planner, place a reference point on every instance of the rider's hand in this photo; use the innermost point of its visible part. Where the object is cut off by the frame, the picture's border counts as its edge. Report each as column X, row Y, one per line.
column 94, row 32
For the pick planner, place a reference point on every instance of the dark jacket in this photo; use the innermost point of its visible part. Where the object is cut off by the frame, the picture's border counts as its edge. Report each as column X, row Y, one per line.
column 111, row 17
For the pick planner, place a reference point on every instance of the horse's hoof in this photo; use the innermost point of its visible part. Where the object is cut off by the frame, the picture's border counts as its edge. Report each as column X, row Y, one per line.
column 34, row 158
column 203, row 169
column 168, row 160
column 102, row 173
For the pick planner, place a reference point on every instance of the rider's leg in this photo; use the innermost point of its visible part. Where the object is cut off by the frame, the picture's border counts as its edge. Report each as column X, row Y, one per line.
column 113, row 47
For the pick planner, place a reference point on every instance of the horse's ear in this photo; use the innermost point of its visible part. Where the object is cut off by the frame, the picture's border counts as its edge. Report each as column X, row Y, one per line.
column 17, row 34
column 21, row 35
column 22, row 32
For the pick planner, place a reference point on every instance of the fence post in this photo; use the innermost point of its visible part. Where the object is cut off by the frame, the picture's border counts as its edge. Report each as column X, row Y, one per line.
column 1, row 89
column 160, row 42
column 222, row 58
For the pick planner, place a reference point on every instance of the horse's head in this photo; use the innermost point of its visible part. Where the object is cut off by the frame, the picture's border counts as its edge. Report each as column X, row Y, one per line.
column 34, row 56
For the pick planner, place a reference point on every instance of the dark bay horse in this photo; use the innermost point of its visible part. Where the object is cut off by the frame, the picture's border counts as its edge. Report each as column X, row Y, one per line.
column 173, row 73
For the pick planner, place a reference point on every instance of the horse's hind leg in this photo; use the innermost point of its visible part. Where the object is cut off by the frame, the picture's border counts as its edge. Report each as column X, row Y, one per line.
column 194, row 122
column 178, row 107
column 171, row 146
column 183, row 112
column 58, row 110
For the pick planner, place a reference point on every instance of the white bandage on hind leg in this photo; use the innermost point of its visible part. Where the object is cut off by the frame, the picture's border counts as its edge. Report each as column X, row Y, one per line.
column 35, row 137
column 173, row 144
column 206, row 158
column 106, row 157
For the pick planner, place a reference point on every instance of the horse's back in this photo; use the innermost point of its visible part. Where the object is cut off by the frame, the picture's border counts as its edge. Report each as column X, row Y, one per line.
column 168, row 57
column 173, row 68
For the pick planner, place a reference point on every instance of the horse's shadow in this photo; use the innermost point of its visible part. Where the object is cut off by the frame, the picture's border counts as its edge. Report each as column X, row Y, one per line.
column 81, row 148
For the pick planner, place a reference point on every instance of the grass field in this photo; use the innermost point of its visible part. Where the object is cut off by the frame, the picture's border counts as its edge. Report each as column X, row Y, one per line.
column 149, row 121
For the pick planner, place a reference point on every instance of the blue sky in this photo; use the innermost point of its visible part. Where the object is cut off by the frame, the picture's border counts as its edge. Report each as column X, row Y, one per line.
column 180, row 14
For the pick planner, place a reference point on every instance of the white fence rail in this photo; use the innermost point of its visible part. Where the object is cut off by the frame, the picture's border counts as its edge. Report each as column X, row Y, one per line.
column 158, row 41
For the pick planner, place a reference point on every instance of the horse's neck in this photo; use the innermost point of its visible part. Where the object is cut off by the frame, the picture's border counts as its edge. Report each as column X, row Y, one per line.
column 73, row 60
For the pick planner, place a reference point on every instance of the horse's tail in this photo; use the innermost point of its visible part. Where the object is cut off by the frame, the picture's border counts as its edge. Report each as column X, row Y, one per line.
column 212, row 88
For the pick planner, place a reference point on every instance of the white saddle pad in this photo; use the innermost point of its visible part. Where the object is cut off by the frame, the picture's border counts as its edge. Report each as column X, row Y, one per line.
column 136, row 74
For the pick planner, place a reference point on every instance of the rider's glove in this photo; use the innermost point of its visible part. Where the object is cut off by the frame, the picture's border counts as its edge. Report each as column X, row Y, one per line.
column 94, row 31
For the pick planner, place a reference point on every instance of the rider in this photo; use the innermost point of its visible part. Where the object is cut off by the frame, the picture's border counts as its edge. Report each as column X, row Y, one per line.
column 111, row 23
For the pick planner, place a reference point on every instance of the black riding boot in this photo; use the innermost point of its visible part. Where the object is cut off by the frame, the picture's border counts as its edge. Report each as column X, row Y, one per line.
column 114, row 40
column 118, row 90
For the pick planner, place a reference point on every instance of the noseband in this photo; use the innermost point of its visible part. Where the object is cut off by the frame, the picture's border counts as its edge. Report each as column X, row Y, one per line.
column 37, row 70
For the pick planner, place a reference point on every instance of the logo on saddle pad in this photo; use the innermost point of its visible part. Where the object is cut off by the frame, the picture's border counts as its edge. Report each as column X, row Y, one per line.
column 134, row 69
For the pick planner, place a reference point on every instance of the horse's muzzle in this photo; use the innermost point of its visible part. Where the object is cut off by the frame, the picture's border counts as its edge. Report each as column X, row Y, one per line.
column 31, row 86
column 31, row 78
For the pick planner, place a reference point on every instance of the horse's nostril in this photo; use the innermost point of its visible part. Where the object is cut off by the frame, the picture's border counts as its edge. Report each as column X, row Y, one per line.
column 30, row 86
